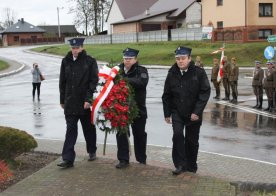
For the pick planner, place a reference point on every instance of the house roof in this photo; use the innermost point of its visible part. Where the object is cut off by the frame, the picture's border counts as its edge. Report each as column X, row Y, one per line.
column 23, row 27
column 71, row 29
column 144, row 16
column 174, row 7
column 130, row 8
column 179, row 5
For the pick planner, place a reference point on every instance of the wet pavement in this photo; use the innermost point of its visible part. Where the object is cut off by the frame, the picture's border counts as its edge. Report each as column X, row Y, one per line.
column 237, row 143
column 229, row 129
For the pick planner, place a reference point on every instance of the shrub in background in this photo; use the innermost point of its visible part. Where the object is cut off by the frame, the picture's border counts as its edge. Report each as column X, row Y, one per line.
column 5, row 173
column 14, row 142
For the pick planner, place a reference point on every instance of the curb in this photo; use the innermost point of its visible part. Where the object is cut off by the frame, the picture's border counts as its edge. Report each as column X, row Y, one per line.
column 13, row 72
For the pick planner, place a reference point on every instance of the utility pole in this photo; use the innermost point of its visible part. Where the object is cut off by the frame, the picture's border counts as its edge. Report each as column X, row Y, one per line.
column 58, row 20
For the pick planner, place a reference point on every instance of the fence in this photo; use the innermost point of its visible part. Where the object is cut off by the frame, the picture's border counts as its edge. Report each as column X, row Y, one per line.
column 149, row 36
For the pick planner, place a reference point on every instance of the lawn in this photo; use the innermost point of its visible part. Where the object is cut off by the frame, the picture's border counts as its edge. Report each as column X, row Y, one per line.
column 162, row 53
column 3, row 65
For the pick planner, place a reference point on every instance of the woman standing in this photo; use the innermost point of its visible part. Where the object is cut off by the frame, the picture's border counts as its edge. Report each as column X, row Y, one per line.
column 36, row 73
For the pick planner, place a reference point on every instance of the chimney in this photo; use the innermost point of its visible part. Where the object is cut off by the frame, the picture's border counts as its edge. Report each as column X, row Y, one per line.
column 147, row 12
column 22, row 20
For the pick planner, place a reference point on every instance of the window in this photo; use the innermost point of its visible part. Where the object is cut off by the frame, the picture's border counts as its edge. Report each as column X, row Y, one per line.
column 219, row 2
column 16, row 38
column 265, row 9
column 264, row 33
column 219, row 24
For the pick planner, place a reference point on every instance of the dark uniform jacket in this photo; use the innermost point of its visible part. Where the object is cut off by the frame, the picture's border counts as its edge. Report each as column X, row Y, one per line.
column 226, row 69
column 233, row 75
column 187, row 93
column 269, row 77
column 77, row 82
column 258, row 76
column 215, row 71
column 138, row 78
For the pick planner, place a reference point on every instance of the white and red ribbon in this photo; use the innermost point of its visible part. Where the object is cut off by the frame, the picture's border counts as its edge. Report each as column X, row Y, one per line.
column 105, row 74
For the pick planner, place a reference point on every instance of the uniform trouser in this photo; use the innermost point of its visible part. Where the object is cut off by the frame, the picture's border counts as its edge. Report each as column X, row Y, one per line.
column 269, row 93
column 89, row 132
column 226, row 86
column 234, row 88
column 185, row 147
column 258, row 91
column 140, row 141
column 216, row 86
column 36, row 86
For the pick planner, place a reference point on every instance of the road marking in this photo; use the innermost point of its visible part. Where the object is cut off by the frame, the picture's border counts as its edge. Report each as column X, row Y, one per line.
column 236, row 157
column 251, row 110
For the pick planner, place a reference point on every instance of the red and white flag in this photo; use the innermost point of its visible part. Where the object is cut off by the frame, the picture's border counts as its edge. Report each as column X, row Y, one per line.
column 220, row 74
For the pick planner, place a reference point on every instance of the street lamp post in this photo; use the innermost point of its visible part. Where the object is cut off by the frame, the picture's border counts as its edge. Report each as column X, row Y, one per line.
column 58, row 20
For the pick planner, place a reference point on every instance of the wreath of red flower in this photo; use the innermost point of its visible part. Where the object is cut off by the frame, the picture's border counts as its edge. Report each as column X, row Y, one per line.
column 119, row 109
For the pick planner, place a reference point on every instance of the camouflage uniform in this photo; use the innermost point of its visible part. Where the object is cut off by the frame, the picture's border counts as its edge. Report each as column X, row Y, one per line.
column 214, row 76
column 257, row 84
column 233, row 80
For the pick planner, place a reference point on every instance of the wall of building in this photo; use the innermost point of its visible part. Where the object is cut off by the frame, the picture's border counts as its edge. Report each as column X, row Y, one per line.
column 253, row 13
column 9, row 38
column 115, row 15
column 231, row 13
column 126, row 28
column 193, row 15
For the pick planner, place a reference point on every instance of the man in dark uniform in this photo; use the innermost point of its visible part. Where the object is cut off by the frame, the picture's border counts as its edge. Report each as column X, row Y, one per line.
column 77, row 82
column 225, row 80
column 274, row 85
column 214, row 77
column 268, row 85
column 186, row 93
column 257, row 84
column 138, row 79
column 233, row 78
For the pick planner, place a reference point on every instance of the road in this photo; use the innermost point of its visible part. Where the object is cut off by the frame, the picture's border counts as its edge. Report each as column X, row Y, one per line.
column 228, row 129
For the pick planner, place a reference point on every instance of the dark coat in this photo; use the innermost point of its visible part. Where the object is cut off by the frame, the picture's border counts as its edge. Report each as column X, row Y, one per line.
column 77, row 82
column 138, row 78
column 258, row 76
column 187, row 93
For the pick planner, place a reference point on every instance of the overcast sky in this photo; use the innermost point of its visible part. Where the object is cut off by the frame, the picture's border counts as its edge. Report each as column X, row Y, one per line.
column 39, row 12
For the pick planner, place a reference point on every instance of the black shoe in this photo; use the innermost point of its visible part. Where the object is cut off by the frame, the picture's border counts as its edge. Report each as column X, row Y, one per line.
column 92, row 157
column 66, row 164
column 143, row 162
column 225, row 99
column 234, row 101
column 178, row 170
column 122, row 164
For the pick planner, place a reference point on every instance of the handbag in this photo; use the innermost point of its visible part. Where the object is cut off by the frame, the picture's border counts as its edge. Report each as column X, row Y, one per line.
column 41, row 77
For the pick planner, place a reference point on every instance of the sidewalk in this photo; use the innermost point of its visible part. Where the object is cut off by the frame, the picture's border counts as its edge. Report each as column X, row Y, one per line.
column 217, row 175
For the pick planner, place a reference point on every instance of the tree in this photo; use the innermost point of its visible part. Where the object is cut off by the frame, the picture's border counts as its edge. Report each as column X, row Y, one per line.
column 82, row 13
column 90, row 13
column 9, row 17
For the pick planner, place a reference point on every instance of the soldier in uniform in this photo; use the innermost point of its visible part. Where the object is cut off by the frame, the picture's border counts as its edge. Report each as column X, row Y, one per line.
column 268, row 85
column 186, row 93
column 138, row 78
column 274, row 86
column 225, row 75
column 214, row 76
column 257, row 84
column 198, row 62
column 77, row 83
column 233, row 79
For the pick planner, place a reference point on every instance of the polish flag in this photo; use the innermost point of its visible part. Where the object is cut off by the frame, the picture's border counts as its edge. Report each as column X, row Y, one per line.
column 220, row 74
